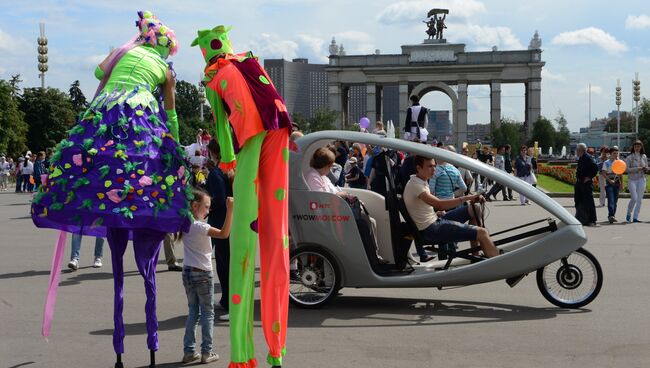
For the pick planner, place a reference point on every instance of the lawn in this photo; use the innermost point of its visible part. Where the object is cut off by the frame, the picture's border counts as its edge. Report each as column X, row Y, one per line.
column 553, row 185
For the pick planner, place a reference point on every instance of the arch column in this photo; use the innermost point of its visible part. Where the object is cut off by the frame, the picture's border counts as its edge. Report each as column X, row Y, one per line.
column 403, row 88
column 460, row 128
column 533, row 103
column 495, row 103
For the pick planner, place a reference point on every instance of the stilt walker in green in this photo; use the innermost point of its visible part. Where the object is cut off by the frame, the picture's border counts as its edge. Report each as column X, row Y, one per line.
column 253, row 126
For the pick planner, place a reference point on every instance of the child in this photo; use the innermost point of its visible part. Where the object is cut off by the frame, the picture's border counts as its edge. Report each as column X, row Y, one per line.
column 355, row 177
column 197, row 276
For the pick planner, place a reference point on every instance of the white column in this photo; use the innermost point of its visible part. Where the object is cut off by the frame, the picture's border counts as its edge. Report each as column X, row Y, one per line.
column 335, row 98
column 371, row 102
column 460, row 129
column 533, row 103
column 495, row 103
column 403, row 105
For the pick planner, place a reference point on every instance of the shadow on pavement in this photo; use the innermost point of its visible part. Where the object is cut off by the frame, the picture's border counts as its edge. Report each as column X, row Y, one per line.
column 387, row 312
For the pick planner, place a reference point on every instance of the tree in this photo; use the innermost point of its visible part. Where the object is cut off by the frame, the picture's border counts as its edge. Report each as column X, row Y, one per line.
column 543, row 133
column 562, row 136
column 644, row 123
column 187, row 100
column 49, row 114
column 510, row 132
column 77, row 98
column 627, row 123
column 188, row 127
column 13, row 129
column 14, row 83
column 323, row 119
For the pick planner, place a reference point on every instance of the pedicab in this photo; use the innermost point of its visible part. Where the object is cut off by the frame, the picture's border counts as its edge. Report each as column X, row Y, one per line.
column 328, row 251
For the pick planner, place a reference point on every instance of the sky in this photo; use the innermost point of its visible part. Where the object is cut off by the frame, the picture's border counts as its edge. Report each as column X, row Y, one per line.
column 583, row 42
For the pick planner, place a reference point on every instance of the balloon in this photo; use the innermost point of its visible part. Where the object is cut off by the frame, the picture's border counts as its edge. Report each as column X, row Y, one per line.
column 364, row 122
column 618, row 167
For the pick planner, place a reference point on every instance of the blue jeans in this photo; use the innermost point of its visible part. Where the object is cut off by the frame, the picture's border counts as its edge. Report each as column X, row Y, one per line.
column 200, row 292
column 451, row 228
column 612, row 198
column 76, row 245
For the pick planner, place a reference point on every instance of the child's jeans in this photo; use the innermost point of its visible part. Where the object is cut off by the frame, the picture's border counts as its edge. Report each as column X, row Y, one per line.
column 200, row 292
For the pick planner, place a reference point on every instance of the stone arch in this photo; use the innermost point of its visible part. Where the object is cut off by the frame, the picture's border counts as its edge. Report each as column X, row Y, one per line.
column 423, row 88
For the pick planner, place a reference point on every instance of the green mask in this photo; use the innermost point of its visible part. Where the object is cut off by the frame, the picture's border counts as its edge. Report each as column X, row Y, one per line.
column 213, row 42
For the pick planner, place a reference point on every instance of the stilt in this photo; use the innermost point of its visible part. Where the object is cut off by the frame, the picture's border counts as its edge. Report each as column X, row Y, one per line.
column 152, row 354
column 118, row 362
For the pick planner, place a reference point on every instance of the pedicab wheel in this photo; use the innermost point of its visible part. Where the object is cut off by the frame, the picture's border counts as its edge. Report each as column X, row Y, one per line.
column 571, row 282
column 316, row 281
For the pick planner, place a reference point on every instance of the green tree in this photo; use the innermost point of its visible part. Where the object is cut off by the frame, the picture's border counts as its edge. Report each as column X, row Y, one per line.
column 189, row 127
column 77, row 98
column 644, row 123
column 510, row 132
column 323, row 119
column 543, row 133
column 627, row 123
column 49, row 114
column 13, row 129
column 187, row 101
column 562, row 136
column 14, row 83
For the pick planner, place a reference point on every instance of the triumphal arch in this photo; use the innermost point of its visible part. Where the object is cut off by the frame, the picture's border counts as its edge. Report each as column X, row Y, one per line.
column 435, row 65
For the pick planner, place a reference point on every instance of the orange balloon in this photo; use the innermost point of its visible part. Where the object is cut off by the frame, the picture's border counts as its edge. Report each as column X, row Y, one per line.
column 618, row 167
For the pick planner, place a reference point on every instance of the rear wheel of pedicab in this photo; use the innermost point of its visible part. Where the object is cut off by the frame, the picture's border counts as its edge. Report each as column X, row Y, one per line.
column 571, row 282
column 316, row 281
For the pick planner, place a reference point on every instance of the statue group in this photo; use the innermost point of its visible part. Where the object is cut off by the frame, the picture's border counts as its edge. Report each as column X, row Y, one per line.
column 435, row 24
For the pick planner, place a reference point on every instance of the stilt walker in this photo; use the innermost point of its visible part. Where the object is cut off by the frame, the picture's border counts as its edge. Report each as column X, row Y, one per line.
column 121, row 173
column 253, row 127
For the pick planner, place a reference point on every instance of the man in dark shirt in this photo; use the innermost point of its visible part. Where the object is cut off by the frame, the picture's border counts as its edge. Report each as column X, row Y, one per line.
column 507, row 163
column 583, row 189
column 219, row 188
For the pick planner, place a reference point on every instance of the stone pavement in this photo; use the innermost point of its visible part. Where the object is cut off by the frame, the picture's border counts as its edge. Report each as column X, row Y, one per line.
column 476, row 326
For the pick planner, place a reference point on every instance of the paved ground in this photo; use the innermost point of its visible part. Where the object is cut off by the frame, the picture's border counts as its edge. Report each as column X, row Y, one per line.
column 483, row 325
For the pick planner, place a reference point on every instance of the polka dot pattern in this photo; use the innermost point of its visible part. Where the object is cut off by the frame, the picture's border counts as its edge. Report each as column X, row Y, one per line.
column 236, row 299
column 276, row 327
column 255, row 226
column 264, row 80
column 285, row 154
column 280, row 194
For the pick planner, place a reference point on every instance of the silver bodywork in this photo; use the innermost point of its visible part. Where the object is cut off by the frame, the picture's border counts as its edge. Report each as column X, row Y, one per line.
column 325, row 220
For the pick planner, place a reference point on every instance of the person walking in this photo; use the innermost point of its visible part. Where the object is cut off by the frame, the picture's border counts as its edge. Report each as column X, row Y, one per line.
column 76, row 246
column 523, row 170
column 583, row 188
column 507, row 164
column 5, row 169
column 499, row 163
column 613, row 181
column 601, row 178
column 27, row 172
column 637, row 165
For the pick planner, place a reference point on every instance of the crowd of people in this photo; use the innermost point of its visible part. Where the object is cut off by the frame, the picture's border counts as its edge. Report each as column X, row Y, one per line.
column 25, row 172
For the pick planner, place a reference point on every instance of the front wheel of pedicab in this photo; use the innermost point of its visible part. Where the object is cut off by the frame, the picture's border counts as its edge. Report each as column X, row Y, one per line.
column 571, row 282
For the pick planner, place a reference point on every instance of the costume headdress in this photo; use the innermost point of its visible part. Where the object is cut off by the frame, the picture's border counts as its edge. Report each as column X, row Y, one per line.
column 156, row 34
column 214, row 42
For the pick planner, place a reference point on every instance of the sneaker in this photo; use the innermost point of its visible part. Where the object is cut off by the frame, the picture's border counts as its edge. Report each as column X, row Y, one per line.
column 611, row 219
column 190, row 357
column 513, row 281
column 209, row 357
column 628, row 217
column 224, row 317
column 175, row 268
column 73, row 264
column 426, row 259
column 98, row 262
column 636, row 220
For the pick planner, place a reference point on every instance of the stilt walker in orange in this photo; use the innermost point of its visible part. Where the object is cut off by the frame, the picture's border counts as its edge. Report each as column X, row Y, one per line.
column 253, row 126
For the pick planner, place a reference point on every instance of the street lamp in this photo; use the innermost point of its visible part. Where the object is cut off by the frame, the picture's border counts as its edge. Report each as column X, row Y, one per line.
column 201, row 97
column 42, row 54
column 618, row 116
column 636, row 95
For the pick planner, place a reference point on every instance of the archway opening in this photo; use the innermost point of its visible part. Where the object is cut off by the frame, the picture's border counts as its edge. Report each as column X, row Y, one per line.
column 441, row 115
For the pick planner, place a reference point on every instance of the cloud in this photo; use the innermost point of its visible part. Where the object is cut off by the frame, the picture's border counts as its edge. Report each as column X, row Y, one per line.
column 355, row 42
column 485, row 37
column 548, row 75
column 271, row 46
column 590, row 36
column 595, row 90
column 10, row 44
column 643, row 59
column 407, row 11
column 637, row 22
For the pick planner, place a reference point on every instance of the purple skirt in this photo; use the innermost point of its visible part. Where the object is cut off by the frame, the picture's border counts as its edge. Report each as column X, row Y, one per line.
column 118, row 168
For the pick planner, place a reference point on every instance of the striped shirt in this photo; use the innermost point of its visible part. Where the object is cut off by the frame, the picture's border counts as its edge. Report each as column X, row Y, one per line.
column 444, row 180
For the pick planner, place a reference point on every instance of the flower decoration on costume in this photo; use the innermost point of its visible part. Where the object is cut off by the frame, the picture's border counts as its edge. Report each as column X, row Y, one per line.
column 156, row 34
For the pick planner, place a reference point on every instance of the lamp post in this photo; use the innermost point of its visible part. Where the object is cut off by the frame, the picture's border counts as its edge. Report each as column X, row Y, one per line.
column 636, row 95
column 42, row 54
column 201, row 97
column 618, row 115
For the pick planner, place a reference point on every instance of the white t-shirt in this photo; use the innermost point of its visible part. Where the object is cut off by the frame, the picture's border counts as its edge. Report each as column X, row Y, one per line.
column 28, row 168
column 197, row 248
column 421, row 213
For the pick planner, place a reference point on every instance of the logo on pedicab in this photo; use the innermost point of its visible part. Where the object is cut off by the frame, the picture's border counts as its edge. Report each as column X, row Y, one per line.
column 317, row 205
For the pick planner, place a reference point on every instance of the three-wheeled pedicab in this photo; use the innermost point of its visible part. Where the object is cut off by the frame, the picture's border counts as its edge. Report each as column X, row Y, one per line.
column 328, row 252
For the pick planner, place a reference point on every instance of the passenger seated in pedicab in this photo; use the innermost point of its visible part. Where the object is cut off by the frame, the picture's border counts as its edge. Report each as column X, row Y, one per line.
column 317, row 180
column 441, row 227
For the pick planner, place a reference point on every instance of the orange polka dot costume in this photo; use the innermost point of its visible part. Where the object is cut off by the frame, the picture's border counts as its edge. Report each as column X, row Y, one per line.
column 253, row 127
